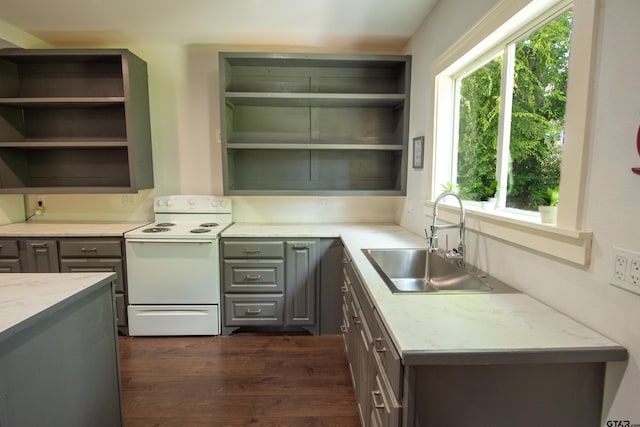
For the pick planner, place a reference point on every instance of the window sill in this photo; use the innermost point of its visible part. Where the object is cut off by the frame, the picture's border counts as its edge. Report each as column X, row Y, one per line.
column 522, row 230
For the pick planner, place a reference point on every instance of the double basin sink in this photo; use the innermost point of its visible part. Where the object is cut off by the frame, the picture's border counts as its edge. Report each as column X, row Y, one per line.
column 419, row 271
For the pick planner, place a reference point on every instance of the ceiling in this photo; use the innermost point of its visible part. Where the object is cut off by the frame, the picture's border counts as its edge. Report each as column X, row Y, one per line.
column 336, row 23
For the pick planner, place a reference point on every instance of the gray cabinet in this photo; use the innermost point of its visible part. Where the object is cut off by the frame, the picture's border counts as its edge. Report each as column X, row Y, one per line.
column 10, row 256
column 314, row 124
column 375, row 364
column 270, row 283
column 41, row 255
column 74, row 121
column 83, row 255
column 301, row 283
column 70, row 255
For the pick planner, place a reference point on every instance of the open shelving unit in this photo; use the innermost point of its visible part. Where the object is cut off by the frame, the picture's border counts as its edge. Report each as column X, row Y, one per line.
column 74, row 121
column 314, row 124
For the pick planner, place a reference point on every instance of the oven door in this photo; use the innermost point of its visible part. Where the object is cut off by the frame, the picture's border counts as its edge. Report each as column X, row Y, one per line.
column 166, row 271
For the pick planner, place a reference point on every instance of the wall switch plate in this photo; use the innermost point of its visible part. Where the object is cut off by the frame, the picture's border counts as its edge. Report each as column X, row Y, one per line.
column 626, row 270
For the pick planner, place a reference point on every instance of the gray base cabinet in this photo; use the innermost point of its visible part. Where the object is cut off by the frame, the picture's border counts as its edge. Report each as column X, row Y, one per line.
column 536, row 391
column 314, row 124
column 375, row 365
column 74, row 121
column 281, row 284
column 270, row 283
column 70, row 255
column 10, row 261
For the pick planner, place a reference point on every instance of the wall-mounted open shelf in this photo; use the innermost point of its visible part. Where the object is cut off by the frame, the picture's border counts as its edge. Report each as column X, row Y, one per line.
column 314, row 124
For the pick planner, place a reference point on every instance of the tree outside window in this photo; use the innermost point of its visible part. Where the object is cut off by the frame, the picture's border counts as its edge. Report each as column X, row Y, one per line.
column 534, row 70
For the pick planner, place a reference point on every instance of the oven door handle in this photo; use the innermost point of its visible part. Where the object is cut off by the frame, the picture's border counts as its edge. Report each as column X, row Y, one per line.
column 170, row 241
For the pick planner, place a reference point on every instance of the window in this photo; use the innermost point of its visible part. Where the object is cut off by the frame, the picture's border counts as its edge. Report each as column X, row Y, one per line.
column 509, row 120
column 507, row 140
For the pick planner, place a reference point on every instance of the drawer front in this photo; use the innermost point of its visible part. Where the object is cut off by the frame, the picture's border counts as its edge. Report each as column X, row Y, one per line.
column 253, row 276
column 245, row 310
column 389, row 357
column 95, row 266
column 252, row 249
column 10, row 266
column 9, row 249
column 87, row 248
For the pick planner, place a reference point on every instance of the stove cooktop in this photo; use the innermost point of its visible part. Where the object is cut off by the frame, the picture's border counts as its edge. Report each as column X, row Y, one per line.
column 178, row 230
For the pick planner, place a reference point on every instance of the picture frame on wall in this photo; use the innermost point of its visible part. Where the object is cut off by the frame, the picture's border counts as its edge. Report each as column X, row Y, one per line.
column 418, row 152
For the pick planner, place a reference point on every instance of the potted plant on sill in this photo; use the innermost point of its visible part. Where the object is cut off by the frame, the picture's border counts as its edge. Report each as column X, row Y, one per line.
column 487, row 195
column 547, row 204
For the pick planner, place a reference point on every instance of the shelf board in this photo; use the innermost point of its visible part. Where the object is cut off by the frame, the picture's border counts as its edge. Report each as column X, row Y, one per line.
column 62, row 101
column 280, row 99
column 313, row 146
column 78, row 144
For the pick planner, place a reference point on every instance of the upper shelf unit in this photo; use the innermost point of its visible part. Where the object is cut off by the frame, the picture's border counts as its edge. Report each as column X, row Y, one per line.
column 314, row 124
column 74, row 121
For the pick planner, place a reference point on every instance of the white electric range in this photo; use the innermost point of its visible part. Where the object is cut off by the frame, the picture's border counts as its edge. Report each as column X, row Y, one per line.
column 173, row 267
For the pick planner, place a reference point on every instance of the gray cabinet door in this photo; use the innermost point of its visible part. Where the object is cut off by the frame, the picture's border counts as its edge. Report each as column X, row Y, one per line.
column 301, row 279
column 41, row 256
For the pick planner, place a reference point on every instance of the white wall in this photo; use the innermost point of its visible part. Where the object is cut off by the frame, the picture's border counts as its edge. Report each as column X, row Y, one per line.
column 611, row 205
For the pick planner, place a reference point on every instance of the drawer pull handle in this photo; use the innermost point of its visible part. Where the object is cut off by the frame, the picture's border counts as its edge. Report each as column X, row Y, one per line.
column 298, row 247
column 252, row 311
column 344, row 288
column 375, row 395
column 253, row 277
column 344, row 329
column 252, row 251
column 378, row 345
column 89, row 249
column 345, row 261
column 39, row 245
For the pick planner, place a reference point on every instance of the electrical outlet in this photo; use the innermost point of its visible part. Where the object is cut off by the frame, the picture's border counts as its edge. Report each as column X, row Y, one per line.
column 323, row 202
column 626, row 270
column 634, row 272
column 128, row 199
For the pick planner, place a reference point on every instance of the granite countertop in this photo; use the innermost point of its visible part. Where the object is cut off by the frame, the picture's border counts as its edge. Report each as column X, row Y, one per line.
column 24, row 296
column 71, row 229
column 454, row 328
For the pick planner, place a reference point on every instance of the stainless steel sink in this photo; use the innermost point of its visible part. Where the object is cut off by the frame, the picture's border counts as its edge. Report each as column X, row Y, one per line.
column 419, row 271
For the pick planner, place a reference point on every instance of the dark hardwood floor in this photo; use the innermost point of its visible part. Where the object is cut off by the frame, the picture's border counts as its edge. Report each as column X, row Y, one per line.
column 241, row 380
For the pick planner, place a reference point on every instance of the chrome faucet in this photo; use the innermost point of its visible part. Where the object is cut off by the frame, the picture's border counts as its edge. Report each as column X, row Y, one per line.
column 456, row 253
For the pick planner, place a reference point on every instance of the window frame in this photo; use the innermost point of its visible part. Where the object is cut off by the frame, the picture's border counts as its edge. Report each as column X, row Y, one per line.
column 507, row 22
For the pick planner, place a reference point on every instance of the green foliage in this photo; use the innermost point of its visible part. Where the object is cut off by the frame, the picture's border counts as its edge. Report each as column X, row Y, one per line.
column 549, row 197
column 537, row 122
column 449, row 187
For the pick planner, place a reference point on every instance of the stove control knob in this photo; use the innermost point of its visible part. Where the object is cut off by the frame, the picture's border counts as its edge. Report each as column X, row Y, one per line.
column 214, row 202
column 192, row 201
column 169, row 202
column 159, row 202
column 223, row 203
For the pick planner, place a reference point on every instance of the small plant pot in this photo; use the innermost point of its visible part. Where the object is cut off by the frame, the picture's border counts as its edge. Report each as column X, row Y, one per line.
column 489, row 203
column 548, row 214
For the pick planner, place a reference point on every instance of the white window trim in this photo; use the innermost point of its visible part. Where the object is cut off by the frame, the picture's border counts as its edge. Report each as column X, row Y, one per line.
column 566, row 240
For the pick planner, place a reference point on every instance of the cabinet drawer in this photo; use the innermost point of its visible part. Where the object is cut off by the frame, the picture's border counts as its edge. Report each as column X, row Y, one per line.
column 9, row 249
column 385, row 408
column 389, row 357
column 90, row 248
column 92, row 265
column 253, row 276
column 264, row 310
column 252, row 249
column 10, row 266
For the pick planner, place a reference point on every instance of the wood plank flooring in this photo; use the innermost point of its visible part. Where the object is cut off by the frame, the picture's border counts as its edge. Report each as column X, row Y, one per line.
column 241, row 380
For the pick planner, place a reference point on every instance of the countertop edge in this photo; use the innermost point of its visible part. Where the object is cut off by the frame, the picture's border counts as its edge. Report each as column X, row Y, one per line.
column 505, row 357
column 57, row 306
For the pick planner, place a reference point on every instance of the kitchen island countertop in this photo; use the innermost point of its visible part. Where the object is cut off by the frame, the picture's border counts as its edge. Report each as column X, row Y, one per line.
column 453, row 328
